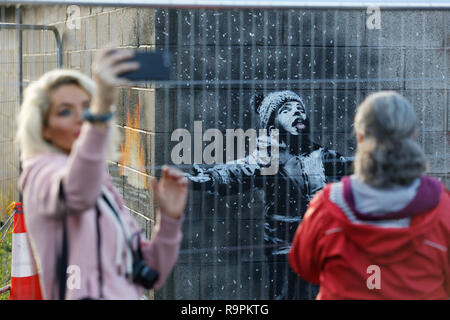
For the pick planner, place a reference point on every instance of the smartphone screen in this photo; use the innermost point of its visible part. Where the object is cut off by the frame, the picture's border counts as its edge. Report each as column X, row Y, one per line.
column 154, row 65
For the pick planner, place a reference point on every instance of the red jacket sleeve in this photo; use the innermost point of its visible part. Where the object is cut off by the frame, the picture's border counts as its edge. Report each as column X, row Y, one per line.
column 447, row 281
column 304, row 254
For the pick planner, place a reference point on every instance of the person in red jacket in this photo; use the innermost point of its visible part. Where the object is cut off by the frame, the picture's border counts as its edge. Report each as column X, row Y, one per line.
column 383, row 232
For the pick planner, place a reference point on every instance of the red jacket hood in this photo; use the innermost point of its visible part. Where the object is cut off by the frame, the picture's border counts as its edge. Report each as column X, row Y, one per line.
column 389, row 245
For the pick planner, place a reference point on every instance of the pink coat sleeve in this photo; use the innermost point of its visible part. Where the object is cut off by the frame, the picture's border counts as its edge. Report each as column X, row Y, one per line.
column 81, row 173
column 161, row 252
column 86, row 163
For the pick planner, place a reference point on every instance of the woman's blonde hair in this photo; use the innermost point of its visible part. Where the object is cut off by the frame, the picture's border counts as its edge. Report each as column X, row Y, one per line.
column 36, row 105
column 388, row 154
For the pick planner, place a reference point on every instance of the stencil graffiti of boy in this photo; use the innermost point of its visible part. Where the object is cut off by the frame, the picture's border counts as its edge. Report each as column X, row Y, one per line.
column 304, row 168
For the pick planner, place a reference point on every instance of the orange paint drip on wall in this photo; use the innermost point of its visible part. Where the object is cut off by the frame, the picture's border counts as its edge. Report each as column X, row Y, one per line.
column 132, row 150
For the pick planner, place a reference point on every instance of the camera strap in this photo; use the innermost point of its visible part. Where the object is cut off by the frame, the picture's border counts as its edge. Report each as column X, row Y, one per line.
column 106, row 200
column 62, row 259
column 135, row 260
column 61, row 263
column 111, row 207
column 99, row 251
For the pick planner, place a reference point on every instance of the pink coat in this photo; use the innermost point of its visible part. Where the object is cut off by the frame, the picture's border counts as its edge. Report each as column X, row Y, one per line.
column 83, row 173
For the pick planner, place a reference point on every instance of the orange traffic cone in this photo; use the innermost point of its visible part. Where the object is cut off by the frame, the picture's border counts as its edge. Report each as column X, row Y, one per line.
column 24, row 278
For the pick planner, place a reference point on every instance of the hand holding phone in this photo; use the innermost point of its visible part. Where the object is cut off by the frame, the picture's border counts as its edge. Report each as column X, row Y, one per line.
column 107, row 67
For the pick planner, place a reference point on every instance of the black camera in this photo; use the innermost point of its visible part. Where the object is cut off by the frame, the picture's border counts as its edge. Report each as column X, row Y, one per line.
column 142, row 273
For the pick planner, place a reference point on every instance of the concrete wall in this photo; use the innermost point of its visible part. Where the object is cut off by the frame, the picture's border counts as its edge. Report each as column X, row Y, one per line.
column 221, row 256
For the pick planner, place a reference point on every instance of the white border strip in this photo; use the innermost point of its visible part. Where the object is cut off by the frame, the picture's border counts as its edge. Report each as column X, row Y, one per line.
column 405, row 4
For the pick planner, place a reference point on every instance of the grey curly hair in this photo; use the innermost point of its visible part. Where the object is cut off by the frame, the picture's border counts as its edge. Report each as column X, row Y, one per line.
column 388, row 155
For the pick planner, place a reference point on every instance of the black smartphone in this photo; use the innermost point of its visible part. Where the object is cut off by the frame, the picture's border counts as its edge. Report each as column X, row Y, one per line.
column 154, row 65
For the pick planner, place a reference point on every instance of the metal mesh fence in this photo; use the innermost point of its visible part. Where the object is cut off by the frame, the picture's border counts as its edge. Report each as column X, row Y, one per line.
column 9, row 94
column 21, row 62
column 238, row 223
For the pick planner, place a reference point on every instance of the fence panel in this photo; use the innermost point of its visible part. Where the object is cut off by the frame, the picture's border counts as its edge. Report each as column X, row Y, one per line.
column 27, row 50
column 237, row 231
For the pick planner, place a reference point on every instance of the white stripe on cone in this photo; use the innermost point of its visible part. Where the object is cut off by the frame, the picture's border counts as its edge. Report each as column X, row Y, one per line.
column 22, row 263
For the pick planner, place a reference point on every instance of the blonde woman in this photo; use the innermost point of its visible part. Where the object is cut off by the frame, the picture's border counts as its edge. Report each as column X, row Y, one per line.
column 384, row 232
column 76, row 220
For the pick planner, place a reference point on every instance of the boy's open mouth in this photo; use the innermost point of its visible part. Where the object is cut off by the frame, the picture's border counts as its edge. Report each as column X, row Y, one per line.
column 298, row 124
